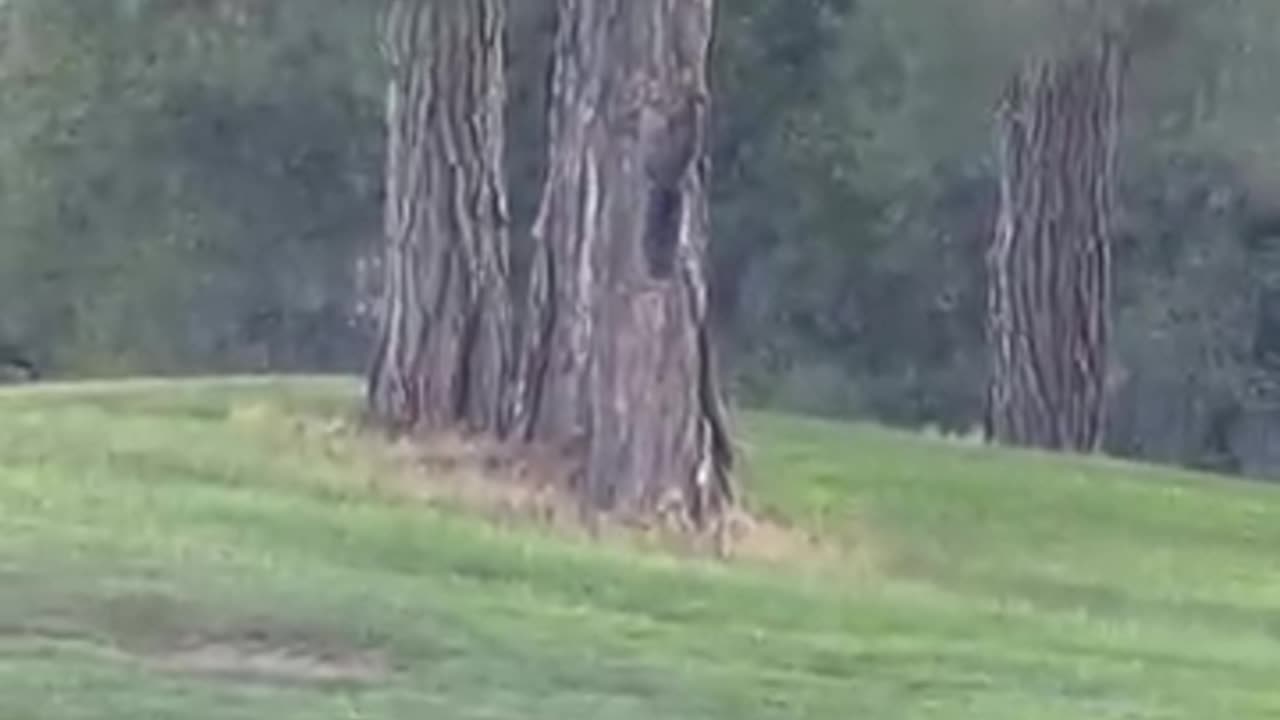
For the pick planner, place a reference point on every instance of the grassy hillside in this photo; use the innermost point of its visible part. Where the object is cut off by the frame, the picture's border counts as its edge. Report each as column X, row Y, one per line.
column 227, row 549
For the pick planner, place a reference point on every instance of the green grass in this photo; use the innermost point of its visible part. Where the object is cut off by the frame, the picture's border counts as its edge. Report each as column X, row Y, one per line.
column 139, row 517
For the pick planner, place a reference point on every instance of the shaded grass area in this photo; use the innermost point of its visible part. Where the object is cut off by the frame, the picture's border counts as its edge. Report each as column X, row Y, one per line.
column 150, row 521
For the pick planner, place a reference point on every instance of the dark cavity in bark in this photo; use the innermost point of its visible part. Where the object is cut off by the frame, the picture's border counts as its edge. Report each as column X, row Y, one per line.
column 617, row 370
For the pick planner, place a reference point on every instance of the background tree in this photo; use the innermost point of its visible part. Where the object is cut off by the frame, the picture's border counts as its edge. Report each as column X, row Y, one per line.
column 1049, row 270
column 618, row 368
column 442, row 358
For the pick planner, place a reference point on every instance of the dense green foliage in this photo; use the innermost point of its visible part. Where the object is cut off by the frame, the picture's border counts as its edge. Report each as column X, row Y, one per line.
column 147, row 520
column 186, row 186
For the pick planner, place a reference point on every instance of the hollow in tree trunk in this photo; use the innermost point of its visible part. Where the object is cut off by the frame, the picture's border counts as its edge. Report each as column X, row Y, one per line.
column 443, row 353
column 617, row 369
column 1050, row 260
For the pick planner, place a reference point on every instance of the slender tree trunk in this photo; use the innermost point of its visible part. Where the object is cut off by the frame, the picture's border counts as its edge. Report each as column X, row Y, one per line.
column 1050, row 260
column 443, row 355
column 617, row 367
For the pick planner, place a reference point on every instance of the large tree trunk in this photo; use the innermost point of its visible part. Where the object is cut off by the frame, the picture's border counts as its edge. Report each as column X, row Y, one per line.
column 443, row 358
column 1049, row 263
column 617, row 367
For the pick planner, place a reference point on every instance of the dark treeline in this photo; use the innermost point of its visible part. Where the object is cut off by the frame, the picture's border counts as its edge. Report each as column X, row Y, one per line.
column 197, row 186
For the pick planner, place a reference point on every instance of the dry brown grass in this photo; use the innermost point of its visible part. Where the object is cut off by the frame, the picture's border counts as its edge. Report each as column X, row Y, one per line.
column 263, row 659
column 525, row 488
column 235, row 651
column 517, row 487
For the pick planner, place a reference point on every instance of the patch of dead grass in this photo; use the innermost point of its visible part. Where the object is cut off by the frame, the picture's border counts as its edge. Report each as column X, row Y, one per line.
column 528, row 488
column 187, row 639
column 519, row 487
column 265, row 659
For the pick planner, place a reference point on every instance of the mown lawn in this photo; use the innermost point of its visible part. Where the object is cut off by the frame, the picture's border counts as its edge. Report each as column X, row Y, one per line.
column 226, row 549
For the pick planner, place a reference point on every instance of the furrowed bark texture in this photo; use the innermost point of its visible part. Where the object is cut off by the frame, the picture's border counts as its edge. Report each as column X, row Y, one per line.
column 443, row 359
column 1050, row 260
column 616, row 363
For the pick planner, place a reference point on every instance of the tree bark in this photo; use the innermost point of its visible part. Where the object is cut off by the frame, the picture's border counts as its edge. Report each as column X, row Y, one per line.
column 1050, row 260
column 616, row 366
column 443, row 358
